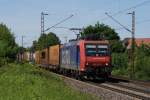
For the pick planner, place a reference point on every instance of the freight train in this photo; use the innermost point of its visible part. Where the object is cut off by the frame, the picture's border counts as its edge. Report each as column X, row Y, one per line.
column 25, row 56
column 80, row 58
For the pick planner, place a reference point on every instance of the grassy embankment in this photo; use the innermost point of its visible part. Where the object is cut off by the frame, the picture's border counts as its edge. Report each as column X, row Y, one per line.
column 27, row 82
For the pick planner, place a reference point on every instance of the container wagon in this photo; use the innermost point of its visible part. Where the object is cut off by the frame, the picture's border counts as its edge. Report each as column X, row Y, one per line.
column 44, row 57
column 54, row 57
column 37, row 57
column 26, row 56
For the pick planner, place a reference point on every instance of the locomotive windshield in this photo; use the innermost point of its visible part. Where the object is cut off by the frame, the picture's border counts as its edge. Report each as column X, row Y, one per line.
column 96, row 50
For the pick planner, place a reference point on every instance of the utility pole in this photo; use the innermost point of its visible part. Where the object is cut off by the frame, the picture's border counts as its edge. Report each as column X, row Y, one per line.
column 22, row 56
column 42, row 22
column 42, row 26
column 133, row 40
column 133, row 45
column 22, row 40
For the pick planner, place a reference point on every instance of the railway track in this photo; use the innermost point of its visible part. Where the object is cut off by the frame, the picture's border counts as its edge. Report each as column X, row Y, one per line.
column 126, row 90
column 123, row 88
column 140, row 83
column 138, row 93
column 133, row 88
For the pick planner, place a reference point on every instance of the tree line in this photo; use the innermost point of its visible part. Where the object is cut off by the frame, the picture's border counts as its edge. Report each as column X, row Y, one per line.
column 8, row 46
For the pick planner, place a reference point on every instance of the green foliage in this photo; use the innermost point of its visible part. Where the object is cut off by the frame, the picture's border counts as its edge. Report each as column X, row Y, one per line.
column 120, row 60
column 6, row 35
column 117, row 46
column 27, row 82
column 102, row 31
column 122, row 65
column 3, row 52
column 142, row 69
column 8, row 47
column 34, row 46
column 142, row 62
column 46, row 40
column 3, row 46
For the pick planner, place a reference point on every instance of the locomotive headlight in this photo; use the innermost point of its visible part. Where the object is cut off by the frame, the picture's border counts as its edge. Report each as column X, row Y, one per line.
column 106, row 64
column 87, row 63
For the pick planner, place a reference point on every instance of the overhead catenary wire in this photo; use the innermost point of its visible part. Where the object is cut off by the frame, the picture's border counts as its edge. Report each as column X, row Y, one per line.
column 137, row 23
column 59, row 22
column 118, row 23
column 66, row 28
column 143, row 21
column 127, row 9
column 117, row 13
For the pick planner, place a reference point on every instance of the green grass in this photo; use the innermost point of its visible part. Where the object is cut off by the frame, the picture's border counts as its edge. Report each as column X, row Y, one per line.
column 27, row 82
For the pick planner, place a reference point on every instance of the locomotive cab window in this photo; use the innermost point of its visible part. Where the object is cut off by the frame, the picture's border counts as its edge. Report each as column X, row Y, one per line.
column 96, row 50
column 102, row 50
column 90, row 50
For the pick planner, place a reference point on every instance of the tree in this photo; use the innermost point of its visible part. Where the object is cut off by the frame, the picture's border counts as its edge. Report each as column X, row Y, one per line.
column 6, row 35
column 102, row 31
column 117, row 46
column 46, row 40
column 8, row 46
column 34, row 46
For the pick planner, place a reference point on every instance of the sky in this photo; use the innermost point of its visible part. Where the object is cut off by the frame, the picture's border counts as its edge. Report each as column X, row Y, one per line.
column 23, row 17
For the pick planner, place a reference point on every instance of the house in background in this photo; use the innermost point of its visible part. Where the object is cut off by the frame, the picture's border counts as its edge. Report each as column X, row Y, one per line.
column 138, row 41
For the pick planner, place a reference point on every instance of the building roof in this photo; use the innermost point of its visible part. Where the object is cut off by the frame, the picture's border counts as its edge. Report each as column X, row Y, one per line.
column 138, row 41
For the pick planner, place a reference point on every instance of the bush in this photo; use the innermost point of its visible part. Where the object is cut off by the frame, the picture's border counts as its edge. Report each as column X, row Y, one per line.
column 142, row 63
column 2, row 61
column 120, row 63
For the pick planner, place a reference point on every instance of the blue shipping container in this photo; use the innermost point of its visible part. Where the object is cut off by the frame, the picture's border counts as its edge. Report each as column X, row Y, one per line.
column 70, row 56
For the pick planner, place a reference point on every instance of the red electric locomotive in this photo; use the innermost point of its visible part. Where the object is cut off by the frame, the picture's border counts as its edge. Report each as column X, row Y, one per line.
column 95, row 58
column 86, row 58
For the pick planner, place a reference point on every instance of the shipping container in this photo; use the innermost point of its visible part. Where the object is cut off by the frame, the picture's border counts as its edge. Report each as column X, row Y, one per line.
column 26, row 56
column 54, row 55
column 23, row 56
column 70, row 56
column 44, row 57
column 37, row 57
column 32, row 57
